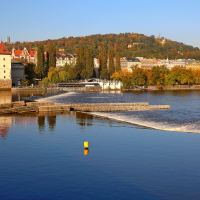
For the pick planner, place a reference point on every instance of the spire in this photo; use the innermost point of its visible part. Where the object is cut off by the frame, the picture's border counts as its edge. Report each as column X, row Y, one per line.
column 159, row 34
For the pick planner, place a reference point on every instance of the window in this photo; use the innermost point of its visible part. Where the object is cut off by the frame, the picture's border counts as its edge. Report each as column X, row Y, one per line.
column 4, row 71
column 4, row 59
column 3, row 65
column 4, row 76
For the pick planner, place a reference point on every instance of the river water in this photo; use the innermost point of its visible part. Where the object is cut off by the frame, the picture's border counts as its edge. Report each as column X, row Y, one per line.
column 42, row 156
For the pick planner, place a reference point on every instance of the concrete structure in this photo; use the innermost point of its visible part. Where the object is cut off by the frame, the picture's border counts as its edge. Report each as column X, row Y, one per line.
column 17, row 71
column 62, row 59
column 5, row 68
column 113, row 107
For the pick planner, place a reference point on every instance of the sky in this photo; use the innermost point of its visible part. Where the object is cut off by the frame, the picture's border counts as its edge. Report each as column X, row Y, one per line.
column 39, row 20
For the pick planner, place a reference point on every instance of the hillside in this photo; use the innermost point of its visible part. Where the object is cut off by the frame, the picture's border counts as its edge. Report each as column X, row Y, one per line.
column 128, row 44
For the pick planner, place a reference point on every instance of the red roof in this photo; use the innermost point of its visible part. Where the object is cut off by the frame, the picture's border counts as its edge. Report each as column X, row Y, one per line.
column 3, row 49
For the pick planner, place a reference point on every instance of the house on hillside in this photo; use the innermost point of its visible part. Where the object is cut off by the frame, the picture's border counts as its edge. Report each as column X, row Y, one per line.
column 62, row 59
column 5, row 68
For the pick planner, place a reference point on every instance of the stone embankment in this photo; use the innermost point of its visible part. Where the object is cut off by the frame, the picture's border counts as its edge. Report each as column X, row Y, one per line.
column 28, row 107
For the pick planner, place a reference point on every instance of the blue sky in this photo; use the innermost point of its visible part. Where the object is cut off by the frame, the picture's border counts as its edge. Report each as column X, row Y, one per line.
column 38, row 20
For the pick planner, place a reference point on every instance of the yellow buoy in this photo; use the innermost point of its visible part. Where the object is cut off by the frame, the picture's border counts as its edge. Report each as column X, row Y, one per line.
column 86, row 145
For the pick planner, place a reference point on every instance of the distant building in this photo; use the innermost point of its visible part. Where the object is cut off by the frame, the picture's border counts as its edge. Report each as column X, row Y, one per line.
column 30, row 56
column 62, row 59
column 5, row 68
column 17, row 71
column 147, row 63
column 8, row 39
column 97, row 67
column 192, row 64
column 171, row 63
column 132, row 62
column 123, row 64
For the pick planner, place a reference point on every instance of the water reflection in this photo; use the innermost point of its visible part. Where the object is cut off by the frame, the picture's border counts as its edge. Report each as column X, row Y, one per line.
column 86, row 151
column 83, row 119
column 52, row 122
column 5, row 97
column 5, row 125
column 41, row 123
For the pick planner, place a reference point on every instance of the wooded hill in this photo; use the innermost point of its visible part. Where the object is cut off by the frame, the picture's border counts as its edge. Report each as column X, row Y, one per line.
column 148, row 47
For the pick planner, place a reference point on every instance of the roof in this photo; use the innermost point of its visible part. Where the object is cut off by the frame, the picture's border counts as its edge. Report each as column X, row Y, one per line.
column 3, row 49
column 132, row 60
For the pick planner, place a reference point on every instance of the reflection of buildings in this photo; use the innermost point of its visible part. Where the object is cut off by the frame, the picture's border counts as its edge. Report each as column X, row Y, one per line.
column 52, row 122
column 84, row 119
column 5, row 97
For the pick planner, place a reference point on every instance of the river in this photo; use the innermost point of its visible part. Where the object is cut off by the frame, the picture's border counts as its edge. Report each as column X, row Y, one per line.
column 43, row 155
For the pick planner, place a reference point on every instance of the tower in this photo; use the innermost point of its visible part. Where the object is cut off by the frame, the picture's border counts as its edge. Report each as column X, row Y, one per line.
column 8, row 39
column 159, row 34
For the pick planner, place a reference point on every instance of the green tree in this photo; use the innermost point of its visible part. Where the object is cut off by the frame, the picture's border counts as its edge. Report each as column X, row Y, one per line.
column 52, row 56
column 118, row 66
column 111, row 61
column 40, row 60
column 89, row 62
column 80, row 60
column 103, row 64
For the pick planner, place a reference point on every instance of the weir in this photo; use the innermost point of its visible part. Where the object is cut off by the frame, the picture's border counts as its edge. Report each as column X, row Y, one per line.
column 22, row 107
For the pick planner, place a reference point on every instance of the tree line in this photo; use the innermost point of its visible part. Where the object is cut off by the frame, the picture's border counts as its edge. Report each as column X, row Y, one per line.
column 158, row 76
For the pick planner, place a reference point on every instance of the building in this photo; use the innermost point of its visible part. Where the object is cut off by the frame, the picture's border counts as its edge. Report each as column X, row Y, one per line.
column 17, row 71
column 147, row 63
column 62, row 59
column 192, row 64
column 5, row 68
column 132, row 62
column 8, row 39
column 97, row 67
column 171, row 63
column 123, row 64
column 30, row 56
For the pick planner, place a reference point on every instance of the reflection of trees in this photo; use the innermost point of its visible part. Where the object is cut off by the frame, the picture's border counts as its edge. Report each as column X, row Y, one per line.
column 41, row 123
column 52, row 122
column 83, row 119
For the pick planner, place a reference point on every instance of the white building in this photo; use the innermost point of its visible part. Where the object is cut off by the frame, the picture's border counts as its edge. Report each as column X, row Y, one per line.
column 5, row 68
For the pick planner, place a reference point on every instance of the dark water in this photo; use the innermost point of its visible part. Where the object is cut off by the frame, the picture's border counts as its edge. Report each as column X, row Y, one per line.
column 42, row 157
